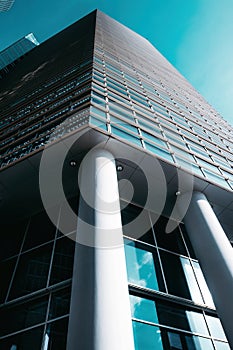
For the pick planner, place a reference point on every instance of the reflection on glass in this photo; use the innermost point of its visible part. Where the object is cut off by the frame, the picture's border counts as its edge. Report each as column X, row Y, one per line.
column 202, row 283
column 32, row 271
column 56, row 334
column 221, row 346
column 62, row 266
column 140, row 266
column 24, row 340
column 147, row 337
column 180, row 341
column 60, row 303
column 22, row 316
column 181, row 318
column 172, row 241
column 174, row 340
column 125, row 135
column 215, row 327
column 174, row 275
column 40, row 230
column 143, row 309
column 198, row 343
column 6, row 272
column 191, row 280
column 46, row 342
column 196, row 322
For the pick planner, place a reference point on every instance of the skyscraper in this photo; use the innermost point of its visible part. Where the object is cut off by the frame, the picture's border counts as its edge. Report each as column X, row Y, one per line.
column 104, row 142
column 12, row 54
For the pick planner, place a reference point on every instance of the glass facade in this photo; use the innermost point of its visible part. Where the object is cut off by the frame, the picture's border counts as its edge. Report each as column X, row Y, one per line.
column 36, row 277
column 171, row 305
column 9, row 56
column 98, row 74
column 147, row 103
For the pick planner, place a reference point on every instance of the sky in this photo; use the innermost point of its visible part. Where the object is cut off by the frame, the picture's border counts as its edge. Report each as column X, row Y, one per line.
column 196, row 36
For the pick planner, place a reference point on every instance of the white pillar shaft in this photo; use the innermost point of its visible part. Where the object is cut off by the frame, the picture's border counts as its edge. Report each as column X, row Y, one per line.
column 215, row 255
column 100, row 317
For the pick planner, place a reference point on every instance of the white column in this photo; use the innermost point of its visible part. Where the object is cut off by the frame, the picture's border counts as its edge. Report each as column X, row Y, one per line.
column 100, row 317
column 215, row 255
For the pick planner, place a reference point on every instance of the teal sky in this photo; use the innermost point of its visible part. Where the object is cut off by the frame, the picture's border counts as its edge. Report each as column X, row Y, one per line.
column 196, row 36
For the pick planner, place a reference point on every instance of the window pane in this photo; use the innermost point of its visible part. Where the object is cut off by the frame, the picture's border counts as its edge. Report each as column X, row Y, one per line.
column 6, row 271
column 63, row 260
column 198, row 343
column 174, row 341
column 181, row 341
column 32, row 271
column 123, row 134
column 40, row 230
column 142, row 267
column 181, row 318
column 171, row 241
column 143, row 309
column 24, row 341
column 56, row 333
column 147, row 337
column 191, row 280
column 23, row 316
column 158, row 151
column 11, row 239
column 128, row 214
column 215, row 327
column 202, row 283
column 221, row 346
column 179, row 276
column 60, row 303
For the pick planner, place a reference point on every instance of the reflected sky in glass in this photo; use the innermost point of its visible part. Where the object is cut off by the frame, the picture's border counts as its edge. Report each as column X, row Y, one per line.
column 143, row 309
column 140, row 267
column 147, row 337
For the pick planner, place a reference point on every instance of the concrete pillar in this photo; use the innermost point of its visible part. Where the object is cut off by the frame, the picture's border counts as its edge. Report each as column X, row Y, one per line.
column 100, row 317
column 215, row 255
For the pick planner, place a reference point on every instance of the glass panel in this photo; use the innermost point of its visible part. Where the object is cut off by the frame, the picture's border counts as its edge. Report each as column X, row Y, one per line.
column 55, row 336
column 143, row 309
column 176, row 277
column 99, row 123
column 191, row 280
column 24, row 341
column 154, row 139
column 40, row 230
column 125, row 124
column 181, row 318
column 147, row 337
column 129, row 213
column 198, row 343
column 182, row 341
column 158, row 151
column 193, row 168
column 23, row 316
column 174, row 341
column 221, row 346
column 6, row 271
column 187, row 241
column 32, row 271
column 11, row 239
column 215, row 327
column 123, row 134
column 98, row 112
column 202, row 284
column 63, row 260
column 216, row 178
column 172, row 241
column 142, row 266
column 60, row 303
